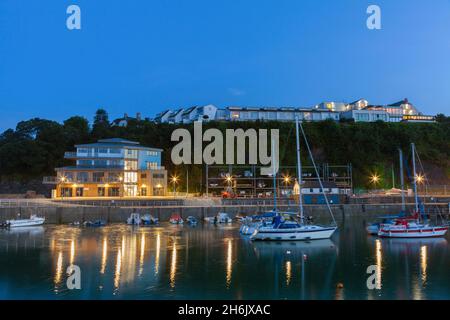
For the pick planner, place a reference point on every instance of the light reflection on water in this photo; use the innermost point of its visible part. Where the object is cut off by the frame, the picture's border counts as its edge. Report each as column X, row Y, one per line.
column 185, row 262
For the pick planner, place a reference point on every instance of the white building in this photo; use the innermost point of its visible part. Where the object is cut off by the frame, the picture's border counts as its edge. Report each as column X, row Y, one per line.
column 279, row 114
column 366, row 115
column 163, row 117
column 359, row 111
column 175, row 117
column 206, row 113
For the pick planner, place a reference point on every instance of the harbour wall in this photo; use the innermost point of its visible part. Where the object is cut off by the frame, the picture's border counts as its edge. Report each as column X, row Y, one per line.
column 67, row 214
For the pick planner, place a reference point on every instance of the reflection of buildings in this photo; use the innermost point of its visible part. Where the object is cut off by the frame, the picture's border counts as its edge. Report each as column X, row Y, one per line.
column 111, row 168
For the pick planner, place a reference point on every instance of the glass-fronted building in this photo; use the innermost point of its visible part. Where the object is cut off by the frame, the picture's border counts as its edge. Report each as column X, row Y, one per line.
column 112, row 168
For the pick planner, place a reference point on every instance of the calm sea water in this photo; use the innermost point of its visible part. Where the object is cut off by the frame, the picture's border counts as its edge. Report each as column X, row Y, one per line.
column 209, row 262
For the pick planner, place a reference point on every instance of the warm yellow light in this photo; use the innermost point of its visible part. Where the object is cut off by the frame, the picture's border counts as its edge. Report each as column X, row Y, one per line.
column 375, row 178
column 63, row 179
column 159, row 185
column 287, row 179
column 228, row 178
column 174, row 179
column 419, row 178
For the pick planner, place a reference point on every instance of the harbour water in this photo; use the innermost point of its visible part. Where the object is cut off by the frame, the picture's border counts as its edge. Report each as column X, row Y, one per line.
column 216, row 262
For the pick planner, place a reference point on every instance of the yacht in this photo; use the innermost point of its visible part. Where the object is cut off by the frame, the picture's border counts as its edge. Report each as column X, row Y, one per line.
column 415, row 226
column 282, row 229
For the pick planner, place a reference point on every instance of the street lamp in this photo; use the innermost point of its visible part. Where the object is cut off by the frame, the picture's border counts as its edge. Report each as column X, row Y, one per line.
column 174, row 180
column 286, row 181
column 419, row 178
column 375, row 179
column 62, row 179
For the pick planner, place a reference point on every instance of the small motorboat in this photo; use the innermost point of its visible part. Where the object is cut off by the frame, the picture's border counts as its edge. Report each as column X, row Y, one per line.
column 95, row 224
column 149, row 220
column 134, row 219
column 192, row 221
column 221, row 217
column 32, row 221
column 374, row 227
column 176, row 218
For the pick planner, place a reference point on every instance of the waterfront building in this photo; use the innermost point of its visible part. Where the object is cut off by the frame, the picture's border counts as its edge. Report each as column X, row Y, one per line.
column 112, row 168
column 313, row 194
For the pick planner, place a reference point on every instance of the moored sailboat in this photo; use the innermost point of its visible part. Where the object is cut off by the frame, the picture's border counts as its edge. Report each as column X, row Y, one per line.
column 283, row 229
column 415, row 226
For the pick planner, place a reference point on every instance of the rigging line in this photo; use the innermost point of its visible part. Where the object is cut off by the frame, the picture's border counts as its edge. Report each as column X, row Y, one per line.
column 317, row 173
column 427, row 184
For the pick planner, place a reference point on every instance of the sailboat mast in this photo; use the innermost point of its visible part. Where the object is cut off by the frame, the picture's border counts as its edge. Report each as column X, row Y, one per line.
column 402, row 179
column 299, row 171
column 274, row 173
column 413, row 149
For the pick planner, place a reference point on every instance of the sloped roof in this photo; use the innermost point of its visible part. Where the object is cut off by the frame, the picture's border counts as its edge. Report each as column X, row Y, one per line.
column 399, row 103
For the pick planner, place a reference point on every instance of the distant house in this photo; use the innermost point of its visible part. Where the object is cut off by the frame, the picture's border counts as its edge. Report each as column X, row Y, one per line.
column 163, row 117
column 175, row 117
column 123, row 122
column 206, row 113
column 189, row 115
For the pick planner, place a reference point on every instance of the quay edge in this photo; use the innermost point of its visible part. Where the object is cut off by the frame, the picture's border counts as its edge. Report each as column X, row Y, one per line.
column 62, row 214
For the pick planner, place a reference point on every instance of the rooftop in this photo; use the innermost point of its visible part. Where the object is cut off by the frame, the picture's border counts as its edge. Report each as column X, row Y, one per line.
column 116, row 143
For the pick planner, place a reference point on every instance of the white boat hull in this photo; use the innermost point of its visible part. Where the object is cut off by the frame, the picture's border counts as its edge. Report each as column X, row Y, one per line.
column 297, row 234
column 25, row 222
column 424, row 232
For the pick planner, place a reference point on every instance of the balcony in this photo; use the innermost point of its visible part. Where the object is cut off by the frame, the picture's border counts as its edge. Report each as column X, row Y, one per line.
column 57, row 180
column 75, row 155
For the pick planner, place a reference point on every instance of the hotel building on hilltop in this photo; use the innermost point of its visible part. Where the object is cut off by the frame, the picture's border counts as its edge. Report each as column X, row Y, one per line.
column 358, row 111
column 111, row 168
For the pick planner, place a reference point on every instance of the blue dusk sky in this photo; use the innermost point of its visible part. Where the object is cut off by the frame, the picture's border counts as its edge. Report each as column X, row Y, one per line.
column 149, row 55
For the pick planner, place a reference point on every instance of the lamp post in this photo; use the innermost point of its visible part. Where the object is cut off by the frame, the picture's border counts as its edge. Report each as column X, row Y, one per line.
column 286, row 180
column 63, row 179
column 174, row 180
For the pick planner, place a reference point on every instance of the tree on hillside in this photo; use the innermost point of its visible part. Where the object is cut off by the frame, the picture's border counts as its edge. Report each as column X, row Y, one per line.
column 76, row 130
column 101, row 127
